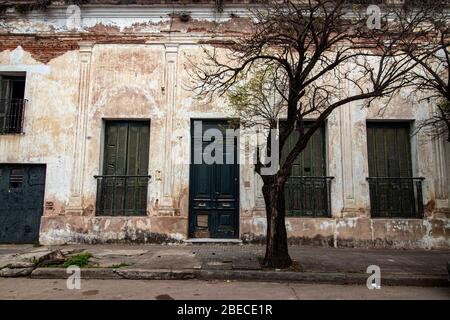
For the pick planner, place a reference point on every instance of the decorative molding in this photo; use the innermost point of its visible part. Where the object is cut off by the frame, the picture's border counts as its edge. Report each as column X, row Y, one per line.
column 170, row 83
column 79, row 152
column 441, row 183
column 345, row 128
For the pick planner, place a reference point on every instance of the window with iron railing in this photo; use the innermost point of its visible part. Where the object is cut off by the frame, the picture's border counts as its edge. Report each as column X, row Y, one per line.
column 394, row 191
column 396, row 197
column 122, row 189
column 12, row 103
column 308, row 196
column 122, row 195
column 308, row 189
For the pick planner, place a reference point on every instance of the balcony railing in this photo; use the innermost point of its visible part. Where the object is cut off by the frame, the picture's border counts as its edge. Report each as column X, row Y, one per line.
column 396, row 197
column 308, row 196
column 11, row 115
column 122, row 195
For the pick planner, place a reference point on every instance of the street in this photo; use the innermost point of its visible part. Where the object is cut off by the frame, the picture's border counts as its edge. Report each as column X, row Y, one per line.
column 21, row 288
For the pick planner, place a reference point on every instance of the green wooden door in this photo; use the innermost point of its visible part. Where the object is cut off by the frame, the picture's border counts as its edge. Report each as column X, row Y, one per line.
column 307, row 189
column 124, row 184
column 389, row 149
column 311, row 161
column 390, row 169
column 22, row 189
column 214, row 189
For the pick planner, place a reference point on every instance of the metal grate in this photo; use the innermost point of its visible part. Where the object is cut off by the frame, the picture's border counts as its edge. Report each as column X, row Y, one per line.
column 308, row 196
column 12, row 115
column 396, row 197
column 16, row 178
column 122, row 195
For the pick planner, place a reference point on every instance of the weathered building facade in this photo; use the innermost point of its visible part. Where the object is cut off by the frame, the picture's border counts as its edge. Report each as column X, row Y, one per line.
column 103, row 115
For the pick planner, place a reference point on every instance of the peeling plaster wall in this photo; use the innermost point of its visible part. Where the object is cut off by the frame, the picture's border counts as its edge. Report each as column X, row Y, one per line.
column 50, row 116
column 139, row 70
column 362, row 232
column 125, row 84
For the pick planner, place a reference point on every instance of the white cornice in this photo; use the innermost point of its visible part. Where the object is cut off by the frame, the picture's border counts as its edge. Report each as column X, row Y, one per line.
column 204, row 11
column 150, row 19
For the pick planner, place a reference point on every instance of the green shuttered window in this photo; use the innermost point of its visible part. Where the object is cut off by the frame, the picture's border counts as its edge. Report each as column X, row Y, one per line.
column 389, row 149
column 307, row 191
column 394, row 192
column 122, row 189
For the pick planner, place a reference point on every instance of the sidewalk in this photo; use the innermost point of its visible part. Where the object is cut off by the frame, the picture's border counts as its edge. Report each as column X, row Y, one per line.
column 229, row 262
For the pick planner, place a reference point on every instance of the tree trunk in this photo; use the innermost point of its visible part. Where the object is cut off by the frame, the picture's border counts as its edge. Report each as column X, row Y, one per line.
column 277, row 255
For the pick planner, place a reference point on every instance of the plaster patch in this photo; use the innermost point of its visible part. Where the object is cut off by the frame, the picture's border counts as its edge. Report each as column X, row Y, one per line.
column 15, row 57
column 324, row 225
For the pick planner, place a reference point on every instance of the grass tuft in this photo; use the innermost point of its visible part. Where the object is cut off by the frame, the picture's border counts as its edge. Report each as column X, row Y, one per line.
column 81, row 260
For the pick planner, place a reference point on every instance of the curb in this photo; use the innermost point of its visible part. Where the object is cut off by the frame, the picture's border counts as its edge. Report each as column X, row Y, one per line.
column 403, row 279
column 248, row 275
column 325, row 278
column 161, row 274
column 60, row 273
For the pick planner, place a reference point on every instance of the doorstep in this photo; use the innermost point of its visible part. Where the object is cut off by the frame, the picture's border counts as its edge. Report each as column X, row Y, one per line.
column 213, row 241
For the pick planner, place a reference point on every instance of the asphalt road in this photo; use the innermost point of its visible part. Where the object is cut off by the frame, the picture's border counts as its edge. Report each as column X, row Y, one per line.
column 21, row 288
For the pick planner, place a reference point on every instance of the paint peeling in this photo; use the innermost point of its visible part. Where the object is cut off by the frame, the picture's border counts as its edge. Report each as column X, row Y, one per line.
column 138, row 70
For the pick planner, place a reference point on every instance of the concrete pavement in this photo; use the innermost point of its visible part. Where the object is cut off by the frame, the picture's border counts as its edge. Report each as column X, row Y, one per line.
column 22, row 288
column 238, row 262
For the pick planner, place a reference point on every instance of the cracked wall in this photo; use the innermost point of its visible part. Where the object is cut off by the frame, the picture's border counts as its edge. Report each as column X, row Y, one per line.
column 138, row 69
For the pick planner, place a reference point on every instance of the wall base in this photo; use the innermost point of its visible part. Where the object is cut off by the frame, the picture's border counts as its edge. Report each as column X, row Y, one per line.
column 333, row 232
column 357, row 232
column 57, row 230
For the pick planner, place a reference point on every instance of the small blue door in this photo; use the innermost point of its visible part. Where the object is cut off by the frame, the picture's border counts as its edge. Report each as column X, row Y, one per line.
column 22, row 190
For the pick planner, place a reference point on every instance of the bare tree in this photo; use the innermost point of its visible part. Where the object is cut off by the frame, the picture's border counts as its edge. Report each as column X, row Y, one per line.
column 297, row 63
column 425, row 27
column 438, row 125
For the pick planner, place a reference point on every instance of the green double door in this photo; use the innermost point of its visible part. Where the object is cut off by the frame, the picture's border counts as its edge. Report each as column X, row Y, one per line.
column 307, row 191
column 214, row 188
column 393, row 191
column 389, row 149
column 122, row 189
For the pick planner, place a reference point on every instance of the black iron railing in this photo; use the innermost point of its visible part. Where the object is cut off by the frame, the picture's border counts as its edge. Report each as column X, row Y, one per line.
column 122, row 195
column 11, row 115
column 308, row 196
column 396, row 197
